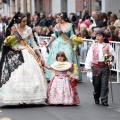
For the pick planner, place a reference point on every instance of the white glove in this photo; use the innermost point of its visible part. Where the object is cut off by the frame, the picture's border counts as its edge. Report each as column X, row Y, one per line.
column 89, row 76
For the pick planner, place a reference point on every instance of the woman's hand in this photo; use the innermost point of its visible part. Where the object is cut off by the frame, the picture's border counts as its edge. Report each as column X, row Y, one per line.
column 42, row 61
column 47, row 45
column 50, row 41
column 15, row 48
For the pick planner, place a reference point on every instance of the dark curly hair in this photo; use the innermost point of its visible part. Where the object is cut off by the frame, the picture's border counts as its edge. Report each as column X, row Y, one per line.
column 63, row 15
column 16, row 19
column 20, row 17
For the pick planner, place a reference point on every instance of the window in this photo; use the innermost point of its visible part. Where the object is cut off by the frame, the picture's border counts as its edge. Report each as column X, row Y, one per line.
column 64, row 5
column 98, row 5
column 41, row 5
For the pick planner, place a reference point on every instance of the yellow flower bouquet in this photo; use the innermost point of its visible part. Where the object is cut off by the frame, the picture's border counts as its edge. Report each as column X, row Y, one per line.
column 11, row 40
column 76, row 42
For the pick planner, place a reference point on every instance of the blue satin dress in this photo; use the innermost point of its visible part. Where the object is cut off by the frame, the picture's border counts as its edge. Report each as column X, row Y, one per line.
column 60, row 44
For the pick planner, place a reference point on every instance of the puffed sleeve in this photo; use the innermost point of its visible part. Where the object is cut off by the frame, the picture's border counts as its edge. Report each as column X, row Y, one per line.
column 89, row 58
column 32, row 41
column 29, row 30
column 72, row 35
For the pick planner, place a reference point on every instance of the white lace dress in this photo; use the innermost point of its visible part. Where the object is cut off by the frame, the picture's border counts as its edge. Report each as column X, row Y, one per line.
column 27, row 83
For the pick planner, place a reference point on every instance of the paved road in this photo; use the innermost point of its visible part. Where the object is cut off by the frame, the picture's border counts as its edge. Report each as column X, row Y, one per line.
column 87, row 110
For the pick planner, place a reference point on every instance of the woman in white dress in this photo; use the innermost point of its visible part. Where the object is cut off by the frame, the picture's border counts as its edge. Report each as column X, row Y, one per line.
column 22, row 80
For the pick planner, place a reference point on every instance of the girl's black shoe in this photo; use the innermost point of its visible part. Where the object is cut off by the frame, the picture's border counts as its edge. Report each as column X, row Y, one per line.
column 97, row 101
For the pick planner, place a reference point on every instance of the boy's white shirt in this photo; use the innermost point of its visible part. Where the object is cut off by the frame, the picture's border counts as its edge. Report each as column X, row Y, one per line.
column 89, row 58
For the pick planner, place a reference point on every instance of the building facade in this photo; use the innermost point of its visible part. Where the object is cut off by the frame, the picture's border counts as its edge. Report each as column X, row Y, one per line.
column 111, row 5
column 9, row 7
column 47, row 6
column 4, row 7
column 70, row 6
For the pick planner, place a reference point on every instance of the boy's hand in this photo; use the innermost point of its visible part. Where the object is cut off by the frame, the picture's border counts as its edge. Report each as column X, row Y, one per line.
column 110, row 66
column 89, row 70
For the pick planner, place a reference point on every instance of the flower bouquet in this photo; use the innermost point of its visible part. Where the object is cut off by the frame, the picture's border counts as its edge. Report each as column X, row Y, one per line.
column 76, row 42
column 74, row 77
column 108, row 57
column 11, row 40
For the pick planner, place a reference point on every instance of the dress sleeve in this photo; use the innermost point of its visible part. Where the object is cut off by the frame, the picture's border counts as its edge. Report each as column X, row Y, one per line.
column 29, row 30
column 33, row 44
column 31, row 39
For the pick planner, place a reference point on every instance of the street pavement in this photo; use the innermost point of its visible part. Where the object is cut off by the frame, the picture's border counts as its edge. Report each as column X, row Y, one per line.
column 87, row 110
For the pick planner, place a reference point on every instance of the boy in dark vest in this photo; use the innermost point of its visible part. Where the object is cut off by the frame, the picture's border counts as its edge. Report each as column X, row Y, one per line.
column 96, row 63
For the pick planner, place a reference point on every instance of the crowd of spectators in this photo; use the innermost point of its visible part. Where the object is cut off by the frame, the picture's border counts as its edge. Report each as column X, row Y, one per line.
column 86, row 26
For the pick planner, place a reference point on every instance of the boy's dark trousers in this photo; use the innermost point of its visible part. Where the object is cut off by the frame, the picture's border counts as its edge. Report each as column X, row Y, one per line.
column 100, row 83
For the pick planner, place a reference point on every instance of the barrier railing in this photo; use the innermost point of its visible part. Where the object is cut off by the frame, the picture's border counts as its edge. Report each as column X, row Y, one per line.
column 42, row 38
column 116, row 67
column 116, row 45
column 85, row 47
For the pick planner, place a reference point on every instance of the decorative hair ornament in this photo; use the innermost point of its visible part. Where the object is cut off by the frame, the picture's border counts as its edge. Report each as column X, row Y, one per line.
column 61, row 15
column 19, row 18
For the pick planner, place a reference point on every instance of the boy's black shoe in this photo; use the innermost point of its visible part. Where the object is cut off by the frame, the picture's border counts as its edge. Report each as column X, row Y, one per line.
column 97, row 101
column 105, row 104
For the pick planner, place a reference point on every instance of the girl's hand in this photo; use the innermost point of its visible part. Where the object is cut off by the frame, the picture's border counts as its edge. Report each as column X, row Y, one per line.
column 72, row 68
column 15, row 49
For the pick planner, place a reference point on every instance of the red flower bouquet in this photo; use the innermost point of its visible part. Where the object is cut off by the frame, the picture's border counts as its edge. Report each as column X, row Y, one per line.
column 74, row 77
